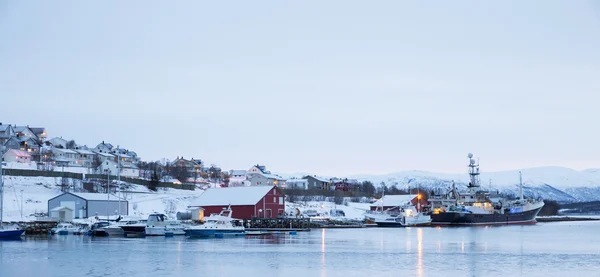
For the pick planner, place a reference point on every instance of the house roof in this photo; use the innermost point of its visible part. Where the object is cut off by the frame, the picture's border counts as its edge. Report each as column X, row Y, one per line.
column 104, row 154
column 21, row 128
column 3, row 127
column 235, row 196
column 68, row 151
column 83, row 151
column 61, row 208
column 18, row 153
column 37, row 130
column 95, row 196
column 319, row 178
column 238, row 172
column 394, row 200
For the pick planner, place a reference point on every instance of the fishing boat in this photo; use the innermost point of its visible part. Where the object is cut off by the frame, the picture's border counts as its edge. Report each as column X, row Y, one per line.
column 217, row 226
column 6, row 232
column 477, row 206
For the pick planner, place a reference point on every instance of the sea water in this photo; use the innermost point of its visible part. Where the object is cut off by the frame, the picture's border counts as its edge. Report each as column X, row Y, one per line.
column 544, row 249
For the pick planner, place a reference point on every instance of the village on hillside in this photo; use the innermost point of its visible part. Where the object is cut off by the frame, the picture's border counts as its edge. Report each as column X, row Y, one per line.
column 30, row 148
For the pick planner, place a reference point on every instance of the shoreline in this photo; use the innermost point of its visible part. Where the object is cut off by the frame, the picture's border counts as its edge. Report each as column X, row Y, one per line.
column 564, row 218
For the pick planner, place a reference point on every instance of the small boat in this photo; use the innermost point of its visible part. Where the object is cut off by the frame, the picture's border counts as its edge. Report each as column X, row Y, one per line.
column 64, row 229
column 406, row 216
column 116, row 229
column 98, row 230
column 217, row 226
column 160, row 225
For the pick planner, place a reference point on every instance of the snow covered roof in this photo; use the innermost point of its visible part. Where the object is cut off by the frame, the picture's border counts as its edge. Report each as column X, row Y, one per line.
column 95, row 196
column 18, row 153
column 59, row 208
column 67, row 151
column 238, row 172
column 86, row 152
column 236, row 196
column 394, row 200
column 320, row 178
column 104, row 154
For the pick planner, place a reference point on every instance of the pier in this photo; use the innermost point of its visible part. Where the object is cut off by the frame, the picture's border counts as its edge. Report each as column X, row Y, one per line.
column 278, row 224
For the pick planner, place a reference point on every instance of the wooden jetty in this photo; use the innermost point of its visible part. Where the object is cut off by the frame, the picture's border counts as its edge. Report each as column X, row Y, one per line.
column 278, row 224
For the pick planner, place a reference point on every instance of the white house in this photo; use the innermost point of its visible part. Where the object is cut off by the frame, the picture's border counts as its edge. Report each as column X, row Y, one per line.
column 85, row 158
column 104, row 148
column 58, row 142
column 17, row 156
column 65, row 157
column 295, row 183
column 258, row 175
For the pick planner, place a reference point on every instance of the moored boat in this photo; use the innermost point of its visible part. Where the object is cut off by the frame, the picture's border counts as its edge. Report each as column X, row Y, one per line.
column 477, row 206
column 407, row 216
column 217, row 226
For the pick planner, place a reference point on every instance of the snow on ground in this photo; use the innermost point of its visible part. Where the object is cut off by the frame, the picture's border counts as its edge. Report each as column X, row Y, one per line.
column 351, row 210
column 36, row 191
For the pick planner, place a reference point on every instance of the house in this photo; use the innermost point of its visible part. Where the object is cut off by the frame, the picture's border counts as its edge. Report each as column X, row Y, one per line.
column 24, row 143
column 258, row 175
column 6, row 132
column 103, row 148
column 58, row 142
column 246, row 202
column 394, row 202
column 65, row 157
column 237, row 174
column 103, row 156
column 40, row 133
column 84, row 157
column 107, row 167
column 296, row 183
column 318, row 182
column 86, row 205
column 25, row 131
column 130, row 171
column 193, row 169
column 64, row 214
column 237, row 178
column 17, row 156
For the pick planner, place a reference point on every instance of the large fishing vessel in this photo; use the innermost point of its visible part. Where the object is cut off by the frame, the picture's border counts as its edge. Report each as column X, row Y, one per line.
column 477, row 206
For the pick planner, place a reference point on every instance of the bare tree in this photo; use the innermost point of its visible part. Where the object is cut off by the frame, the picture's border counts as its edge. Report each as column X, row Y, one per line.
column 71, row 144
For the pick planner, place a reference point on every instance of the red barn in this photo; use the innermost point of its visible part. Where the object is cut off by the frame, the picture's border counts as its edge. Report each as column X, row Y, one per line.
column 246, row 202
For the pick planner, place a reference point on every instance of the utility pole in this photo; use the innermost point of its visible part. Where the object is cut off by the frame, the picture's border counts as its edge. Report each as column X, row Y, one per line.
column 119, row 176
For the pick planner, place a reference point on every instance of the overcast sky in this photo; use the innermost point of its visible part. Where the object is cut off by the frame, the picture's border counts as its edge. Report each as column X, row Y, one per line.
column 326, row 87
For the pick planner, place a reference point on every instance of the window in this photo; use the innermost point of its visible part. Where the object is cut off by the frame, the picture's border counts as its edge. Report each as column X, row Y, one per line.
column 280, row 200
column 274, row 199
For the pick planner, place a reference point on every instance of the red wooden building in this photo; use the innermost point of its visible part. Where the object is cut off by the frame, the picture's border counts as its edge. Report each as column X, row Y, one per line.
column 246, row 202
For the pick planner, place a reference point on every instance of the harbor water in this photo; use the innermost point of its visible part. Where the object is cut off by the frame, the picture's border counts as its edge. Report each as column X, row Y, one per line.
column 543, row 249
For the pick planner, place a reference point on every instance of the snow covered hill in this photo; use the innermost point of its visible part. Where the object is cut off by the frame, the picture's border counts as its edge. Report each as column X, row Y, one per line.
column 31, row 194
column 556, row 183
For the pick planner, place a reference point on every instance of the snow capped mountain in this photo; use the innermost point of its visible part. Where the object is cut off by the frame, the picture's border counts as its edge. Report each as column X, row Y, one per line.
column 555, row 183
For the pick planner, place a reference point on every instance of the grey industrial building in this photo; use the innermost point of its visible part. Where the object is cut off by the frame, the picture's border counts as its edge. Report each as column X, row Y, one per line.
column 86, row 205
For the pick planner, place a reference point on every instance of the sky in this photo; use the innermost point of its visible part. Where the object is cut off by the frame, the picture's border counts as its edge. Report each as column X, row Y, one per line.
column 323, row 87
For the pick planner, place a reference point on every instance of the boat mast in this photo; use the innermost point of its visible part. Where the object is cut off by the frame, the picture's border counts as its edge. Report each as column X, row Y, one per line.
column 520, row 186
column 119, row 176
column 473, row 172
column 1, row 184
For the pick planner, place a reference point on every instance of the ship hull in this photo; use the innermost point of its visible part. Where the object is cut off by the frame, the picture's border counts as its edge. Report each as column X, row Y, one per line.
column 455, row 218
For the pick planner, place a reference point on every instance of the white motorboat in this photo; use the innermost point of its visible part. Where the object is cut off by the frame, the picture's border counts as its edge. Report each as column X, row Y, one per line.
column 115, row 229
column 64, row 229
column 404, row 217
column 160, row 225
column 218, row 226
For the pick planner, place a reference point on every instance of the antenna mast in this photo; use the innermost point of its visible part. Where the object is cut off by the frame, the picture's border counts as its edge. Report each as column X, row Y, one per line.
column 520, row 186
column 473, row 172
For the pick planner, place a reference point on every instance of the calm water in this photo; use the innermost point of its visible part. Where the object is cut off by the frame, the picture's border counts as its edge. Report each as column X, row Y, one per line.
column 545, row 249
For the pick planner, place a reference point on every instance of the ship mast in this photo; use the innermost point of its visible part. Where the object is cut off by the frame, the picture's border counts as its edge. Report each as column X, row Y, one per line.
column 473, row 173
column 520, row 186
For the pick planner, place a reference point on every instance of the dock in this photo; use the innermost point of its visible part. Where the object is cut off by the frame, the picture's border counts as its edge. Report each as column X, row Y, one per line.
column 278, row 224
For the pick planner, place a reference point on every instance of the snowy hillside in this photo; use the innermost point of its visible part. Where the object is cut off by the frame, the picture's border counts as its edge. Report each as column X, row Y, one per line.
column 37, row 190
column 556, row 183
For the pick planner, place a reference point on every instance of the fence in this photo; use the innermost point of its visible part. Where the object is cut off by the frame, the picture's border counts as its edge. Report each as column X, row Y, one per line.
column 142, row 182
column 40, row 173
column 79, row 176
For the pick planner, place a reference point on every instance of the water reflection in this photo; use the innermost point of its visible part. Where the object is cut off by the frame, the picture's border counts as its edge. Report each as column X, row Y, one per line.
column 420, row 252
column 323, row 268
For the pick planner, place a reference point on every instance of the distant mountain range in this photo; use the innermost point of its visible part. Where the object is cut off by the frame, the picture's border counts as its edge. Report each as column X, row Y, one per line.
column 553, row 183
